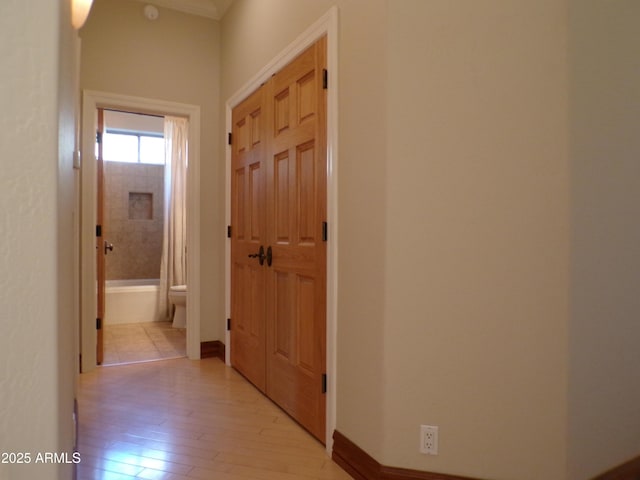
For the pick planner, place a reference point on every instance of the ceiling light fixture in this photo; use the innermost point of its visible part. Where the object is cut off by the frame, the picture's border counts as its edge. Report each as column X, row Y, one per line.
column 79, row 12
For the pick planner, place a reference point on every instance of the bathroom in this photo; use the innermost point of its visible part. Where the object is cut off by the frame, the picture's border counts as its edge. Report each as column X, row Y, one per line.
column 138, row 326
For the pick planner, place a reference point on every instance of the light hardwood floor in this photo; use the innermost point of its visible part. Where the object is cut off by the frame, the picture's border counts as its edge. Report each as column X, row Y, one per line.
column 182, row 419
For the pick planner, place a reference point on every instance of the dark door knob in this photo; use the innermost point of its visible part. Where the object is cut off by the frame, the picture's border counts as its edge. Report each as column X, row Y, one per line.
column 260, row 255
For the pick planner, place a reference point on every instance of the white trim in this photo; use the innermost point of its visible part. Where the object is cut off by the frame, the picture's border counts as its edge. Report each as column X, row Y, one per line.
column 91, row 101
column 326, row 25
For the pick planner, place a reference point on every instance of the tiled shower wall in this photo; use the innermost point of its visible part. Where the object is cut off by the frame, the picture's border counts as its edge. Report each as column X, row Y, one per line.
column 134, row 217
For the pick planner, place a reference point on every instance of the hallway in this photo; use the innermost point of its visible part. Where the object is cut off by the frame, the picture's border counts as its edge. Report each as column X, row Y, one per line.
column 181, row 419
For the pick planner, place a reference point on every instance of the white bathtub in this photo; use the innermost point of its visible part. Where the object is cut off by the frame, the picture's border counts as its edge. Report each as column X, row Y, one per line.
column 131, row 301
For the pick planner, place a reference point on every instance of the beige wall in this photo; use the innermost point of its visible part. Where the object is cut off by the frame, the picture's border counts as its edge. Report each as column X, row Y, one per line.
column 37, row 350
column 605, row 114
column 175, row 58
column 274, row 22
column 453, row 234
column 477, row 236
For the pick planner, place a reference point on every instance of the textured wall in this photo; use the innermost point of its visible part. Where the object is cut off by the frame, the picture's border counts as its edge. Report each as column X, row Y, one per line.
column 37, row 349
column 134, row 217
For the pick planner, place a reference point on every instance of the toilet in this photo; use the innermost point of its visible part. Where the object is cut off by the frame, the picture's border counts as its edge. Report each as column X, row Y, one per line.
column 178, row 298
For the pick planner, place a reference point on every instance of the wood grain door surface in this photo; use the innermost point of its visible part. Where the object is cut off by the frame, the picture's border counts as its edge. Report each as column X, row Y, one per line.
column 248, row 220
column 279, row 165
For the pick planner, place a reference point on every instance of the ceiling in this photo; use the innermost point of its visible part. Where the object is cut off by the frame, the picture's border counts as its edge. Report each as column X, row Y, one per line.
column 214, row 9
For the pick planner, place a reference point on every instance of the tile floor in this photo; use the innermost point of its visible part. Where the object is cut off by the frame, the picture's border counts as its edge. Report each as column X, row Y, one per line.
column 142, row 342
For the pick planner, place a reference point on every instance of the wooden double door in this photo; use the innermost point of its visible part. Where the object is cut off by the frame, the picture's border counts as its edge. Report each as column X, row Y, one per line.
column 278, row 238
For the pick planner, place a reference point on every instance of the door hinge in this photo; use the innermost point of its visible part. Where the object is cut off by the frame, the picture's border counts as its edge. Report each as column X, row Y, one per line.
column 229, row 138
column 98, row 230
column 325, row 231
column 228, row 324
column 324, row 383
column 98, row 324
column 98, row 137
column 228, row 231
column 325, row 79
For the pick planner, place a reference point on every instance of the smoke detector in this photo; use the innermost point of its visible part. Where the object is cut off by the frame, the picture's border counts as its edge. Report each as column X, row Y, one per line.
column 151, row 12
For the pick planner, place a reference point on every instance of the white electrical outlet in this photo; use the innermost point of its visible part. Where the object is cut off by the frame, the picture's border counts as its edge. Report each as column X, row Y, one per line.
column 429, row 439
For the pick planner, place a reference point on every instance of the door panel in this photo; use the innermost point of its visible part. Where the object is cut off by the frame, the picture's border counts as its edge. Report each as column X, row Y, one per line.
column 282, row 200
column 279, row 202
column 247, row 235
column 305, row 293
column 296, row 207
column 307, row 193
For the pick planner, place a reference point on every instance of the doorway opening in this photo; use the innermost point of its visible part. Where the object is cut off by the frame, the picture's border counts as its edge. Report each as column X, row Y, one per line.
column 141, row 204
column 138, row 208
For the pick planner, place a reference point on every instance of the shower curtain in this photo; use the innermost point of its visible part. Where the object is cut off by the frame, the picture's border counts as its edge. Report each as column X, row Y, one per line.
column 173, row 266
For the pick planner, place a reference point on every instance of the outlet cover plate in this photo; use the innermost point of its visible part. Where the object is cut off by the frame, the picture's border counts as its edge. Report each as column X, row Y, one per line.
column 429, row 439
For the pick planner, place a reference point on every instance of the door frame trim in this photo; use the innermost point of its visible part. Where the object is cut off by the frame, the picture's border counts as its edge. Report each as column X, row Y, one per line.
column 325, row 25
column 91, row 100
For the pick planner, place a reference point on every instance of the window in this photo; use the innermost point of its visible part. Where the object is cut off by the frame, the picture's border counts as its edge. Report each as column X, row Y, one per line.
column 151, row 149
column 133, row 147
